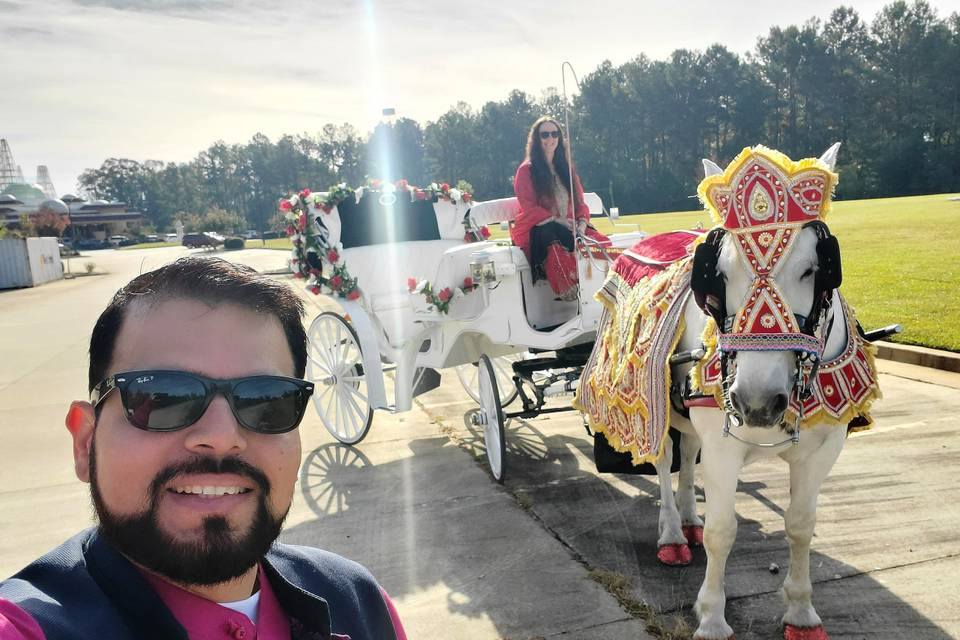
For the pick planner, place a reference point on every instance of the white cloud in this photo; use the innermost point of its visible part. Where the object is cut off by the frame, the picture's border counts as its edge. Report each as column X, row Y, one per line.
column 162, row 80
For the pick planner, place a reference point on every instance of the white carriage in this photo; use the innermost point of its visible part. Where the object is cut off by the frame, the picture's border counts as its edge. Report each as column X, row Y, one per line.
column 388, row 327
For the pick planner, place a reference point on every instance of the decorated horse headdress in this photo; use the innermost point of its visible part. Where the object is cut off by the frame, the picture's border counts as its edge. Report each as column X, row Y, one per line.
column 762, row 200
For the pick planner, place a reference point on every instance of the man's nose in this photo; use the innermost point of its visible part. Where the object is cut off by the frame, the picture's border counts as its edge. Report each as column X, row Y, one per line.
column 217, row 431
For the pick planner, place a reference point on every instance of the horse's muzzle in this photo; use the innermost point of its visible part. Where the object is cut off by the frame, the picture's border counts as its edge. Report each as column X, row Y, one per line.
column 765, row 412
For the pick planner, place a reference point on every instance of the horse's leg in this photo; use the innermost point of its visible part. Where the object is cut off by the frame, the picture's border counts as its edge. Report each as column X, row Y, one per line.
column 672, row 546
column 686, row 495
column 722, row 459
column 807, row 474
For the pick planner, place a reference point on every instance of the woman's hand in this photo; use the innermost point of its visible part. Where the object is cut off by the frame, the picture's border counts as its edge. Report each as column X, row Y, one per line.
column 581, row 226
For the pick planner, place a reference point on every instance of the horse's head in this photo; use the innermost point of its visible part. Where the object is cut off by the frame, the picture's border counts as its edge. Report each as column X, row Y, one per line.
column 766, row 274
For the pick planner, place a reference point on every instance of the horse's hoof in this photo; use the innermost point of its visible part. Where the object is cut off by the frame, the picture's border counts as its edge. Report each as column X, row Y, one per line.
column 791, row 632
column 694, row 534
column 675, row 555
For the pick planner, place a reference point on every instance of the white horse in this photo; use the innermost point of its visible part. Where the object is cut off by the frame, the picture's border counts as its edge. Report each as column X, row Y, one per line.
column 751, row 427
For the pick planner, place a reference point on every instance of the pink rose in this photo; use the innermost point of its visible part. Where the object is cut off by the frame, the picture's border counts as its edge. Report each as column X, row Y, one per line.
column 445, row 294
column 315, row 290
column 466, row 197
column 285, row 205
column 468, row 237
column 402, row 184
column 305, row 193
column 468, row 283
column 353, row 295
column 445, row 187
column 291, row 230
column 485, row 232
column 333, row 256
column 411, row 284
column 336, row 282
column 303, row 222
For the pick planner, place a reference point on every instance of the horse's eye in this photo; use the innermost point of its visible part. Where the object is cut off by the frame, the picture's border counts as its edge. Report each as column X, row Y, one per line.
column 807, row 273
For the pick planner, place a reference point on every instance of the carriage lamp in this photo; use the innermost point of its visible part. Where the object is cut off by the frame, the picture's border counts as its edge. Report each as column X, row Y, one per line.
column 482, row 268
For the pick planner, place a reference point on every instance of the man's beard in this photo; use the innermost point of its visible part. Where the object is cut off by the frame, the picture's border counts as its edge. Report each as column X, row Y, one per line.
column 218, row 556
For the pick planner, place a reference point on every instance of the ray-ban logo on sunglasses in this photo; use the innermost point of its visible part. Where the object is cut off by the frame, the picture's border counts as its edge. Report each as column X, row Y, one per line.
column 142, row 379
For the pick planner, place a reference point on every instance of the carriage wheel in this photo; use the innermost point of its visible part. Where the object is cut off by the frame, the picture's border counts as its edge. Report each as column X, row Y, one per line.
column 335, row 366
column 502, row 368
column 490, row 417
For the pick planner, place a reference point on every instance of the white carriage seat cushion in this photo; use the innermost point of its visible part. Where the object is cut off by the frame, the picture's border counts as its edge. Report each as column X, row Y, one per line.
column 506, row 209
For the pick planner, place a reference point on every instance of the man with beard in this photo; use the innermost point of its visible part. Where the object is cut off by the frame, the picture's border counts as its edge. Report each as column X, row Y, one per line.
column 191, row 448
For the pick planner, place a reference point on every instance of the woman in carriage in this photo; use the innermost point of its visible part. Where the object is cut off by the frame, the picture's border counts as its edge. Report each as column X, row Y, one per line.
column 549, row 214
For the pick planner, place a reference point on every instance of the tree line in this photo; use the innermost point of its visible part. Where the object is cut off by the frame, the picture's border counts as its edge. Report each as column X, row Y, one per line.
column 889, row 90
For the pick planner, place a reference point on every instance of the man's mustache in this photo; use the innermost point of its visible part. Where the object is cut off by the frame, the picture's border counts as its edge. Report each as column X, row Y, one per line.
column 198, row 465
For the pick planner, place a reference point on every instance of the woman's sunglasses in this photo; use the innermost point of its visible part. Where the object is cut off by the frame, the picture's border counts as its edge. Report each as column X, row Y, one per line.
column 172, row 400
column 547, row 134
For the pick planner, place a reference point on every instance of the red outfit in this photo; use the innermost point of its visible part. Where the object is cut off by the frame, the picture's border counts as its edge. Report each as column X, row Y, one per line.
column 560, row 266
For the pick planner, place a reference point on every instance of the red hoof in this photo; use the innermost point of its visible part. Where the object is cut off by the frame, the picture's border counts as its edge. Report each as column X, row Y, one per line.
column 674, row 555
column 694, row 534
column 791, row 632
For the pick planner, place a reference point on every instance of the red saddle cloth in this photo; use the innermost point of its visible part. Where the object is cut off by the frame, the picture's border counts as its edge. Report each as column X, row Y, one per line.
column 653, row 254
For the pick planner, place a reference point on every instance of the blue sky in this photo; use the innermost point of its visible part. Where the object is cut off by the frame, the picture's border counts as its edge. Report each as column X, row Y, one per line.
column 161, row 79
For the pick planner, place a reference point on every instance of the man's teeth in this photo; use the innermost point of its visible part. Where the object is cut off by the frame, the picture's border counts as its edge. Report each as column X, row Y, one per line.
column 211, row 491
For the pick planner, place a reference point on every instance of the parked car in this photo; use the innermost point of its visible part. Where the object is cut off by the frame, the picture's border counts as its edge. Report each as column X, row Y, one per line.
column 91, row 243
column 66, row 249
column 151, row 237
column 170, row 237
column 200, row 240
column 116, row 241
column 251, row 234
column 270, row 235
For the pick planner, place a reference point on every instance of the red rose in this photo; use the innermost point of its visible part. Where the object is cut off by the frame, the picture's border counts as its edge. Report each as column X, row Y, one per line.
column 411, row 284
column 298, row 275
column 336, row 282
column 305, row 193
column 468, row 237
column 485, row 232
column 445, row 294
column 421, row 195
column 333, row 256
column 285, row 205
column 445, row 187
column 402, row 184
column 303, row 222
column 291, row 230
column 314, row 272
column 468, row 283
column 353, row 295
column 315, row 290
column 465, row 197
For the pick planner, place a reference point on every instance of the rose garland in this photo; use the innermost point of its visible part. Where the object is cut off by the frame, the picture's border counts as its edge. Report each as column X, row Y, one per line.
column 311, row 250
column 440, row 299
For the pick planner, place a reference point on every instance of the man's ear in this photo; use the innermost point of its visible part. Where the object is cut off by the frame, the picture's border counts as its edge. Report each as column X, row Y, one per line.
column 80, row 421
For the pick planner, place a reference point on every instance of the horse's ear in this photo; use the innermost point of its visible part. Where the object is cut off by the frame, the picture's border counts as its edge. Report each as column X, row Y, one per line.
column 829, row 156
column 710, row 168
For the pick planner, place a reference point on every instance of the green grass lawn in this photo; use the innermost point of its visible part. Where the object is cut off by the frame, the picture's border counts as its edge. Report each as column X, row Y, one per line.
column 900, row 262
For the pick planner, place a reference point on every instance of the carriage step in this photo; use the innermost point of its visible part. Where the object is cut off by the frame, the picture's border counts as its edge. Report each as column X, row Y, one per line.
column 526, row 368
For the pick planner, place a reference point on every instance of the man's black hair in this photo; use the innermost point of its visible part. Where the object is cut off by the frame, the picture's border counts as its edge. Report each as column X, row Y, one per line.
column 213, row 281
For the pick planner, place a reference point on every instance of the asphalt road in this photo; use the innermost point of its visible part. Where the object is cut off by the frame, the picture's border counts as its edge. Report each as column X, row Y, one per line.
column 466, row 558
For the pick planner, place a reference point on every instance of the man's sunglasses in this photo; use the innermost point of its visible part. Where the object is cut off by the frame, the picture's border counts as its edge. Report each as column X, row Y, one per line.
column 172, row 400
column 547, row 134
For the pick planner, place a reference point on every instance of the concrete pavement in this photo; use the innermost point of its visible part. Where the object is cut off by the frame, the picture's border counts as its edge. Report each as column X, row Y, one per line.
column 466, row 558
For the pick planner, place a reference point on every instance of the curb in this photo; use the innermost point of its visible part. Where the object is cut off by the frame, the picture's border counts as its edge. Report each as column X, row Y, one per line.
column 921, row 356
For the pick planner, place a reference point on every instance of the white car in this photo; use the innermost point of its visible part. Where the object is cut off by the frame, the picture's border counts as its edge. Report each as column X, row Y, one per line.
column 116, row 241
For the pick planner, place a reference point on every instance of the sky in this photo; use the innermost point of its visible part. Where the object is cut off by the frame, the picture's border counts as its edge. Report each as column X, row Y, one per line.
column 86, row 80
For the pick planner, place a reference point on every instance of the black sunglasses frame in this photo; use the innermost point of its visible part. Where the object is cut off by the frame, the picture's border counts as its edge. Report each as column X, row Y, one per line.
column 211, row 386
column 550, row 134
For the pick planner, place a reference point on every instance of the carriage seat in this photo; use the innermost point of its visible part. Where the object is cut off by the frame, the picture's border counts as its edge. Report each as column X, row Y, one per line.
column 506, row 209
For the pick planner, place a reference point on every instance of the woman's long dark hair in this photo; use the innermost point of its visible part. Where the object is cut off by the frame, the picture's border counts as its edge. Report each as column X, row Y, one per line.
column 539, row 169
